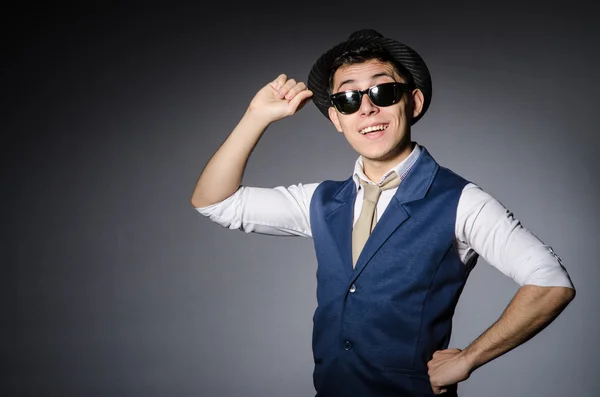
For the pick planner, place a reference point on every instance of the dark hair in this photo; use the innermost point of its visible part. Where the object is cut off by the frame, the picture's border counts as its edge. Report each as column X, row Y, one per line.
column 364, row 53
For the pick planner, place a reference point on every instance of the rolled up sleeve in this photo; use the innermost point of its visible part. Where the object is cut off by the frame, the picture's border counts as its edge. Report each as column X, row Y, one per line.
column 278, row 211
column 491, row 230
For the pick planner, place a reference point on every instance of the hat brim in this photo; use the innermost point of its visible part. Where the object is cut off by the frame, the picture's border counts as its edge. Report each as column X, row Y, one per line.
column 318, row 78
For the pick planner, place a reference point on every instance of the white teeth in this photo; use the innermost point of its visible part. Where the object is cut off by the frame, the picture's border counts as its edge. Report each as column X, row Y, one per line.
column 373, row 128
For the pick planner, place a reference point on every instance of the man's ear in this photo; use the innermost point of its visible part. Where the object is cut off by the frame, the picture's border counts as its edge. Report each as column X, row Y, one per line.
column 418, row 101
column 333, row 116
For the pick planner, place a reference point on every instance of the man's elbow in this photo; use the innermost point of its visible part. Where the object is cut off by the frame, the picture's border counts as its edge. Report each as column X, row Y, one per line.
column 568, row 294
column 561, row 296
column 199, row 201
column 195, row 202
column 556, row 297
column 206, row 197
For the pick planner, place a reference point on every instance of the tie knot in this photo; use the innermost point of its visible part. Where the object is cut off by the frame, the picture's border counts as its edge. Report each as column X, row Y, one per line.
column 372, row 191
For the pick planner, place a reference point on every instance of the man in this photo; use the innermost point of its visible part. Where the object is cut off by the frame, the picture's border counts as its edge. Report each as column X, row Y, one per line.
column 395, row 242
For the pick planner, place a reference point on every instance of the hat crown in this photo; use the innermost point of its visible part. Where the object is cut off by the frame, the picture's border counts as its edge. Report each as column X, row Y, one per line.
column 364, row 33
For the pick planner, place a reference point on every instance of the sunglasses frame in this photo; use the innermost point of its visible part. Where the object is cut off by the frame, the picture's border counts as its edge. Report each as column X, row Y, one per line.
column 403, row 87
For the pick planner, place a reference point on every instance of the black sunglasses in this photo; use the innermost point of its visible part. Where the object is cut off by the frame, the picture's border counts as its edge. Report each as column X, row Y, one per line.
column 386, row 94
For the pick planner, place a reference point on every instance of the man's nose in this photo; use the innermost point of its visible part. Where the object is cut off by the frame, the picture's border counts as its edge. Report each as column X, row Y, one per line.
column 367, row 106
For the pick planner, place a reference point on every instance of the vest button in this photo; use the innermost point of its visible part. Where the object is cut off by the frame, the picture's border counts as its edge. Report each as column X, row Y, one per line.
column 352, row 289
column 347, row 345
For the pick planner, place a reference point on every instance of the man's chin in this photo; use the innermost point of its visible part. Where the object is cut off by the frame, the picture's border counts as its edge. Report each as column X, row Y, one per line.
column 385, row 157
column 381, row 156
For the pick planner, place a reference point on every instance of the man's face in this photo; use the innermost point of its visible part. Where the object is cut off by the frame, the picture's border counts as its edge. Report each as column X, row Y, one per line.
column 389, row 141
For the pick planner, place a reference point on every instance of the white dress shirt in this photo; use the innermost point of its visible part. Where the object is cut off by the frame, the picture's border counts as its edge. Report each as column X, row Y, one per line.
column 484, row 227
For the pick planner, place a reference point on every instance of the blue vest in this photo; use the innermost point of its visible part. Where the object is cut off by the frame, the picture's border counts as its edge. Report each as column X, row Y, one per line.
column 376, row 326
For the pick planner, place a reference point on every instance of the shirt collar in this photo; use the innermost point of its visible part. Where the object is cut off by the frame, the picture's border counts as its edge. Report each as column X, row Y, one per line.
column 401, row 168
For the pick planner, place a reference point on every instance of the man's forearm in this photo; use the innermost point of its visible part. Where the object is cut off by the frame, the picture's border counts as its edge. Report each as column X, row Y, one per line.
column 530, row 311
column 223, row 173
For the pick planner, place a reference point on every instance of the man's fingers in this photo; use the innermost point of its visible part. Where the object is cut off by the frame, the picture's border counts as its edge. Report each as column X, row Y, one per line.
column 295, row 90
column 288, row 89
column 300, row 99
column 285, row 89
column 279, row 81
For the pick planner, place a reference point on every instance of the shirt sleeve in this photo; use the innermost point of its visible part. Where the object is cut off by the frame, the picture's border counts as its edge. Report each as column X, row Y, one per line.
column 493, row 232
column 278, row 211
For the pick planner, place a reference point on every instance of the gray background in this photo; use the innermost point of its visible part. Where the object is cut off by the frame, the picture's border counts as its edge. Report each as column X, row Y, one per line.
column 112, row 285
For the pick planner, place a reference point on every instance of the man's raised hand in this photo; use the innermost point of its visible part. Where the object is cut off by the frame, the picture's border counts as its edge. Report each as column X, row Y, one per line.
column 280, row 98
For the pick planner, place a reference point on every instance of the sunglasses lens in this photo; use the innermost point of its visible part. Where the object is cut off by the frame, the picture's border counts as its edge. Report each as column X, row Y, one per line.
column 347, row 102
column 385, row 94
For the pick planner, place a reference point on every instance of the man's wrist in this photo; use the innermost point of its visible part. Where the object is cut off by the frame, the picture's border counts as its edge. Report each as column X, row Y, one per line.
column 256, row 119
column 470, row 358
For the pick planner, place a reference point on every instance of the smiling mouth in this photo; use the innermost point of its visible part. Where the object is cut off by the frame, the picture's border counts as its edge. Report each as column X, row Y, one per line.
column 373, row 128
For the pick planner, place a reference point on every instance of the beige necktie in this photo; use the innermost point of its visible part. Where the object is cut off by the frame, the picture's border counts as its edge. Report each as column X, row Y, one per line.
column 368, row 214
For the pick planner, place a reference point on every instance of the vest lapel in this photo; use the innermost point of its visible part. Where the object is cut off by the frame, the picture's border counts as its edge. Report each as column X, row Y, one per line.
column 413, row 187
column 393, row 216
column 339, row 222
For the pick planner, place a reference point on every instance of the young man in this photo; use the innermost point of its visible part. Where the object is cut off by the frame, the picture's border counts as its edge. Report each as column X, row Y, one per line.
column 395, row 241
